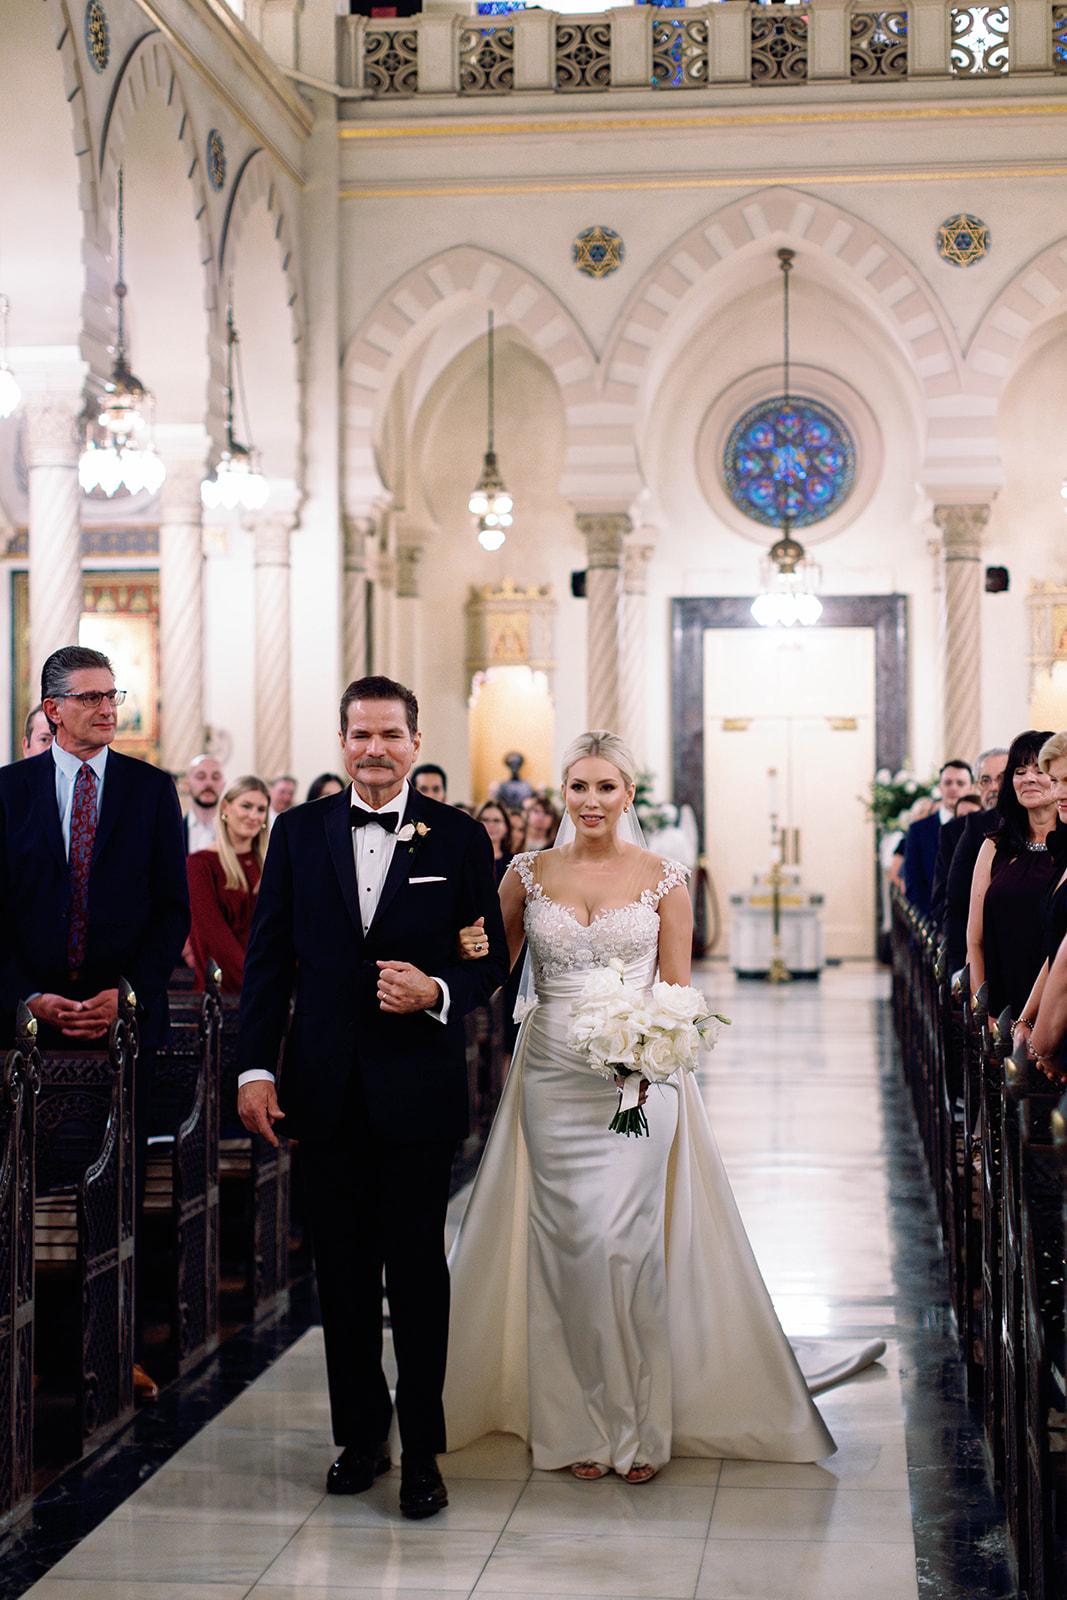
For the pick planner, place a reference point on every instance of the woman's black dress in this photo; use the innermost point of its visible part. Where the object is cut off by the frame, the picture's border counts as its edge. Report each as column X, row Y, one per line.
column 1013, row 936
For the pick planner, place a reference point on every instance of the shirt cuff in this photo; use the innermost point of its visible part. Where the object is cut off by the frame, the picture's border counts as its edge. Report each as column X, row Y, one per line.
column 440, row 1009
column 255, row 1075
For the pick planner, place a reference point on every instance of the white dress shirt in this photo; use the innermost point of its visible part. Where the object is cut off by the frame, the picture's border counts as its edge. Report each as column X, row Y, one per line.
column 67, row 768
column 201, row 833
column 372, row 854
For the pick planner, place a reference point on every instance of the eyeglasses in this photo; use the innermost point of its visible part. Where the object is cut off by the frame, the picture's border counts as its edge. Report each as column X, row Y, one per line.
column 92, row 699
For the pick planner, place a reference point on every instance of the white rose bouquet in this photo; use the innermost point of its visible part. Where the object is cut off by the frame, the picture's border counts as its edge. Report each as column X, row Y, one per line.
column 632, row 1036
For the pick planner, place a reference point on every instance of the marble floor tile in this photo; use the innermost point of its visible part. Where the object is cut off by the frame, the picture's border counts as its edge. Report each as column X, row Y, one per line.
column 52, row 1588
column 659, row 1509
column 475, row 1505
column 153, row 1549
column 407, row 1555
column 737, row 1569
column 834, row 1515
column 623, row 1566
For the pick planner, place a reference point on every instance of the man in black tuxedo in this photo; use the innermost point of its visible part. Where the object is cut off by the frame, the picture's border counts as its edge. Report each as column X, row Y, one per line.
column 990, row 772
column 359, row 908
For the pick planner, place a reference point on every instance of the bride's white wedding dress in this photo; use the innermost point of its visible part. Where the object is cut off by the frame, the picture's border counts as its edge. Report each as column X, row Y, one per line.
column 606, row 1304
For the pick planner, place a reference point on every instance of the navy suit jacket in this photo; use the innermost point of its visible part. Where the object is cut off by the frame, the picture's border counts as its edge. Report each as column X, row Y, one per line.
column 920, row 858
column 307, row 939
column 138, row 889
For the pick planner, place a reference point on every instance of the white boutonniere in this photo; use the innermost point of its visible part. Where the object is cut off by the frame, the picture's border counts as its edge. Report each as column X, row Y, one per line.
column 410, row 834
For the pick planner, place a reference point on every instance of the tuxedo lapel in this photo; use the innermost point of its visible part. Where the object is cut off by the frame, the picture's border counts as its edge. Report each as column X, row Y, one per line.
column 338, row 825
column 404, row 857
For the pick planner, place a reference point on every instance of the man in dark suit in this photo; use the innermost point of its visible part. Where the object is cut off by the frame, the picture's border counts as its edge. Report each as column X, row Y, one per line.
column 92, row 880
column 136, row 913
column 361, row 901
column 920, row 846
column 990, row 770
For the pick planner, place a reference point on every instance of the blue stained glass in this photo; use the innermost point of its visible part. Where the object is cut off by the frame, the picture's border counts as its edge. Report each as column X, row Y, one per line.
column 789, row 458
column 499, row 8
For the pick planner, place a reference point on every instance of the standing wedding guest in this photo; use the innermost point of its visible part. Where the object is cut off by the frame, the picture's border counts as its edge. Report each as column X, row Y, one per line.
column 1042, row 1022
column 360, row 903
column 93, row 886
column 955, row 864
column 224, row 881
column 608, row 1306
column 920, row 846
column 494, row 819
column 516, row 830
column 38, row 733
column 431, row 781
column 542, row 824
column 282, row 795
column 1005, row 943
column 326, row 783
column 204, row 780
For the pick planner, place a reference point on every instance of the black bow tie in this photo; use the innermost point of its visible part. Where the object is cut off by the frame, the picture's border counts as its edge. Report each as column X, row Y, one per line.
column 389, row 820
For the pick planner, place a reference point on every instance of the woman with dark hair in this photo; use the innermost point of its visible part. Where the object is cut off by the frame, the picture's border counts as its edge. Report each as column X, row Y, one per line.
column 223, row 883
column 1015, row 868
column 542, row 824
column 494, row 820
column 326, row 783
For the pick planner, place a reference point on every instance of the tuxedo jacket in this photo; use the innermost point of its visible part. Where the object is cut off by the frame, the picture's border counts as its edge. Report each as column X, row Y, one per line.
column 138, row 915
column 307, row 944
column 973, row 833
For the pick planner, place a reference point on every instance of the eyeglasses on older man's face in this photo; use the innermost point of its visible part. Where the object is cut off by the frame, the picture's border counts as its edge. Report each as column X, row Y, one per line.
column 92, row 699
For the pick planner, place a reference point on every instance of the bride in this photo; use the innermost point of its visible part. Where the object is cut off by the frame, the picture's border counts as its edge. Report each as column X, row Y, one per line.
column 607, row 1305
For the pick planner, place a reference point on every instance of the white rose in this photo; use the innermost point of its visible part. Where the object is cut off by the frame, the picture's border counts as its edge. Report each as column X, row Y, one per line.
column 661, row 1057
column 616, row 1044
column 883, row 775
column 600, row 987
column 678, row 1003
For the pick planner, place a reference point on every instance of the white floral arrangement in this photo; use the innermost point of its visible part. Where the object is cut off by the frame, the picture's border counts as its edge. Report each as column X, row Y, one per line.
column 628, row 1035
column 411, row 834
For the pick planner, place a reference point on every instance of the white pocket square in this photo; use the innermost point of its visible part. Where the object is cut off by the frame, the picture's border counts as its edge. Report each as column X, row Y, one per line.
column 439, row 879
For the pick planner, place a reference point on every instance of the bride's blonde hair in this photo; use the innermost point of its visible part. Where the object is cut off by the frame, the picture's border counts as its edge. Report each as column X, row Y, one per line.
column 608, row 746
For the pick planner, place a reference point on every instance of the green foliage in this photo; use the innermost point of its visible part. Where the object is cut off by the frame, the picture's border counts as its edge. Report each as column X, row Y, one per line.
column 891, row 795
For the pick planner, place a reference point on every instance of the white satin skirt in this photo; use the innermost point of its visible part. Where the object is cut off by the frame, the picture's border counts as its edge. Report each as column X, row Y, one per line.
column 606, row 1305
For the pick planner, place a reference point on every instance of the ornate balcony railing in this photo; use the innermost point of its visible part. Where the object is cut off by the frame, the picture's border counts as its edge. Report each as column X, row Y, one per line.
column 727, row 43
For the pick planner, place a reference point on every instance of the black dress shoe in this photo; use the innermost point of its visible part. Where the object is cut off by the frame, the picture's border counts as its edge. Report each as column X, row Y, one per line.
column 356, row 1468
column 422, row 1489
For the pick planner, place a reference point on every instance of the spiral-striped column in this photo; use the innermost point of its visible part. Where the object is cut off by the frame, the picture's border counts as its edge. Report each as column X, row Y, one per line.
column 961, row 537
column 633, row 650
column 604, row 533
column 354, row 597
column 273, row 646
column 54, row 524
column 181, row 616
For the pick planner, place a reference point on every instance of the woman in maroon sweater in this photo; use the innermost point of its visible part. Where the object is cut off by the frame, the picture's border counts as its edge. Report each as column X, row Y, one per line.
column 223, row 883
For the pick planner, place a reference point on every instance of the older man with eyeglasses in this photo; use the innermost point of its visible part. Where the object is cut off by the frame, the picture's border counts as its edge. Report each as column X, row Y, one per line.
column 92, row 874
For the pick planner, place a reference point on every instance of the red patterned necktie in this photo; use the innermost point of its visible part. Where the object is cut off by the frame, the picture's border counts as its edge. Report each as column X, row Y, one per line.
column 82, row 834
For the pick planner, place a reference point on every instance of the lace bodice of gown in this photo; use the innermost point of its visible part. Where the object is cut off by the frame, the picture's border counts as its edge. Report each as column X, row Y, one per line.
column 563, row 948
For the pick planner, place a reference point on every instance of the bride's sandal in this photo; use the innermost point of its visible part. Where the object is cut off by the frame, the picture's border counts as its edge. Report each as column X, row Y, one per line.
column 640, row 1472
column 589, row 1471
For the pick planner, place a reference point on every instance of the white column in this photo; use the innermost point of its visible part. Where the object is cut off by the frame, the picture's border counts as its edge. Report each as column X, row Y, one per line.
column 54, row 524
column 633, row 654
column 354, row 597
column 408, row 615
column 961, row 536
column 273, row 645
column 181, row 614
column 604, row 533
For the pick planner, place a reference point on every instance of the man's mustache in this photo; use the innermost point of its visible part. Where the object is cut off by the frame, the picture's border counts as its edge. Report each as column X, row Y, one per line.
column 376, row 761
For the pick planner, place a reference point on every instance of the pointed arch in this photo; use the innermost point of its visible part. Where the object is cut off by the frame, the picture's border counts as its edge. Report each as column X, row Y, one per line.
column 600, row 465
column 1037, row 292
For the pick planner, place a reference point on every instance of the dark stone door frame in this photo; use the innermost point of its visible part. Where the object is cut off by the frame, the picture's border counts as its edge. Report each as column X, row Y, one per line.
column 691, row 618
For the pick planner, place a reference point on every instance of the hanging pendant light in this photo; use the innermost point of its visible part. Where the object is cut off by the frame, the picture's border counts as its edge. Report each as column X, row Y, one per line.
column 10, row 393
column 490, row 501
column 114, row 457
column 788, row 579
column 237, row 480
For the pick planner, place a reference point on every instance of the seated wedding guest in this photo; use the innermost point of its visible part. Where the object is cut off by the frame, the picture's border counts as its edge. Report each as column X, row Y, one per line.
column 223, row 883
column 38, row 735
column 1015, row 868
column 1042, row 1022
column 494, row 819
column 326, row 783
column 958, row 852
column 204, row 781
column 542, row 824
column 431, row 781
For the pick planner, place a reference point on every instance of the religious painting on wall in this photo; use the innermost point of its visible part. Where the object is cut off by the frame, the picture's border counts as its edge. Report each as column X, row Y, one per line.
column 120, row 616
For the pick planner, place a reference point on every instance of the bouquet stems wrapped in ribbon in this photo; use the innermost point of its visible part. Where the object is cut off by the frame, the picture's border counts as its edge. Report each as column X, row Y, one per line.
column 629, row 1035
